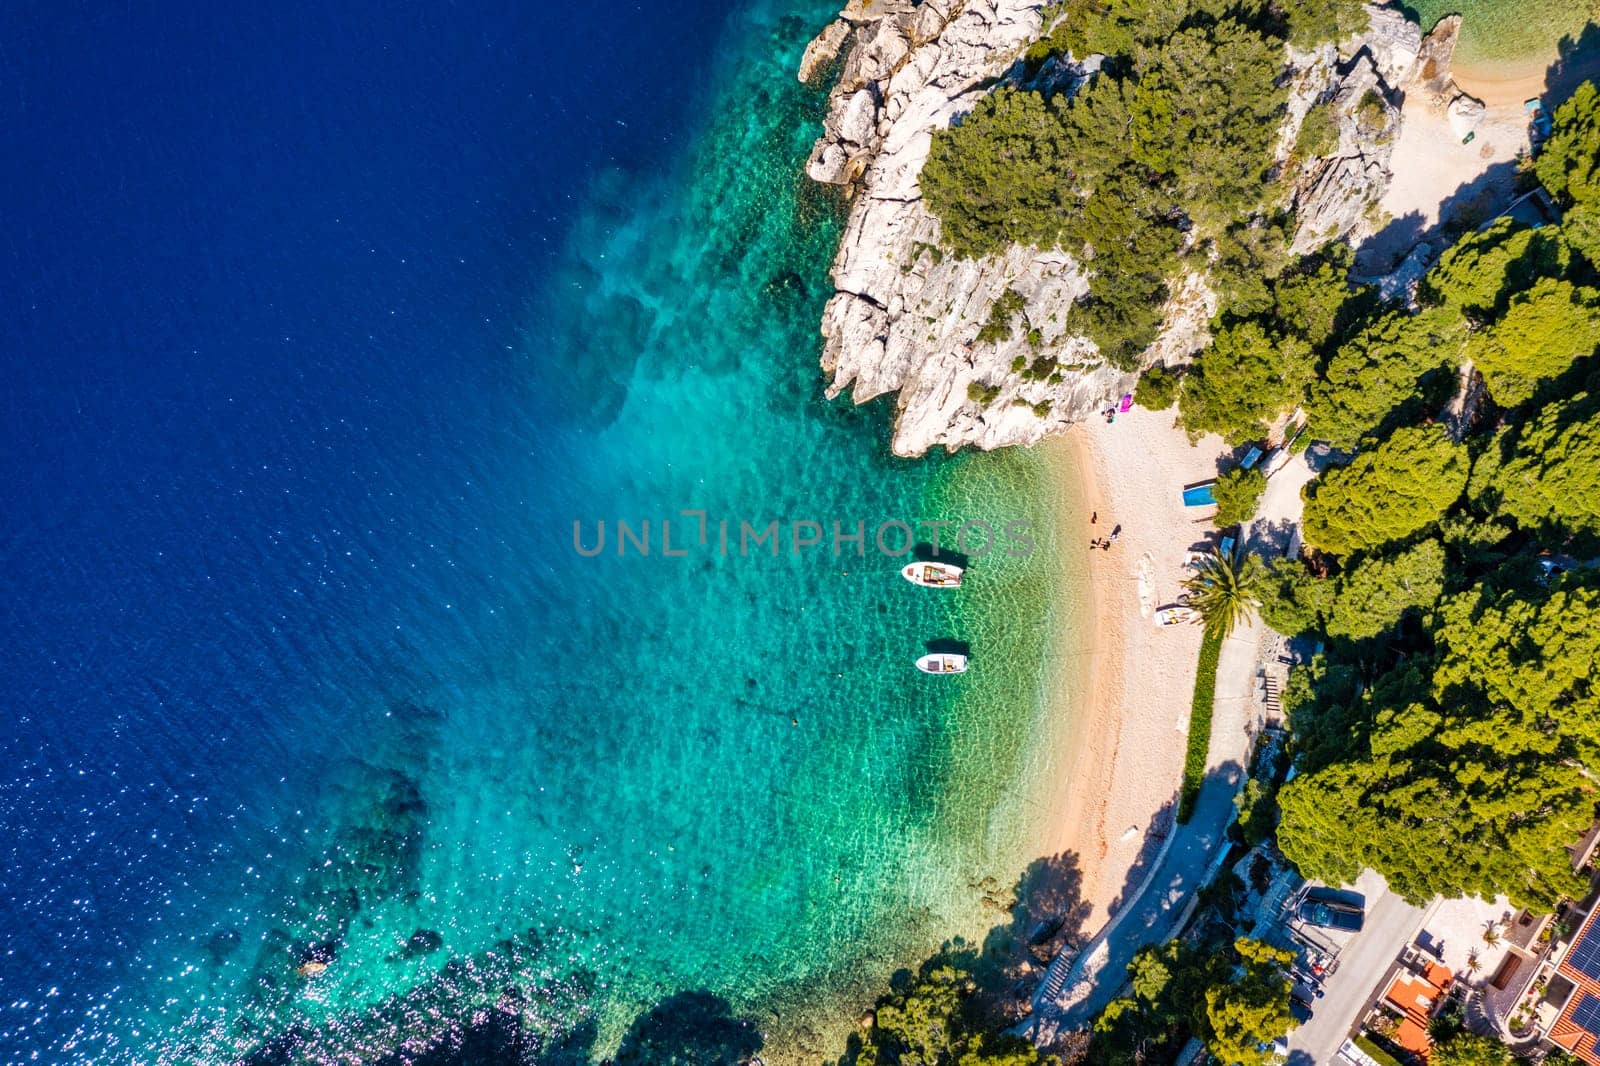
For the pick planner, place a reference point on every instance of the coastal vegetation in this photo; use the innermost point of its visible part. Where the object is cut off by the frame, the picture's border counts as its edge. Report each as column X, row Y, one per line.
column 1396, row 489
column 1470, row 1049
column 1157, row 389
column 1159, row 164
column 1002, row 316
column 1547, row 480
column 1244, row 380
column 1198, row 746
column 1232, row 996
column 1225, row 590
column 1238, row 494
column 934, row 1020
column 1444, row 736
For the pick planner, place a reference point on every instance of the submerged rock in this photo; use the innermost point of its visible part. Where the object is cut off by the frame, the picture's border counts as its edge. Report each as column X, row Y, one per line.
column 422, row 942
column 222, row 944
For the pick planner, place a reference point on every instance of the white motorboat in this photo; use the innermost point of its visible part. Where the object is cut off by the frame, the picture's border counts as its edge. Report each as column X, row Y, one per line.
column 933, row 575
column 943, row 662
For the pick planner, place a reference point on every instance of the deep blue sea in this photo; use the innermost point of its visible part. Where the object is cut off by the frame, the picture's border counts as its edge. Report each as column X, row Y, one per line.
column 321, row 326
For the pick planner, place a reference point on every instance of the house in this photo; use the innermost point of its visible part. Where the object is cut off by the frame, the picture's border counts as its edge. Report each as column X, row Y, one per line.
column 1577, row 1027
column 1414, row 996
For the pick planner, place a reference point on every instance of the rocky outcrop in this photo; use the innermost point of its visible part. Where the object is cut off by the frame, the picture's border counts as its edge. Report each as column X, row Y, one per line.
column 906, row 318
column 1336, row 194
column 1431, row 74
column 1391, row 41
column 824, row 49
column 1432, row 82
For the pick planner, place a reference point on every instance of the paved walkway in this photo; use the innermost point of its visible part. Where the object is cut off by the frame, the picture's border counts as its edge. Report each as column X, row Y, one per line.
column 1071, row 995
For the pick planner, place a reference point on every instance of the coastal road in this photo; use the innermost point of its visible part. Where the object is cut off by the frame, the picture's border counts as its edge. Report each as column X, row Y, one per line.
column 1391, row 924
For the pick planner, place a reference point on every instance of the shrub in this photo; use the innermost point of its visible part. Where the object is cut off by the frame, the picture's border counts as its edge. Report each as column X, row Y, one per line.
column 982, row 394
column 1158, row 388
column 1205, row 696
column 1238, row 494
column 1002, row 316
column 1319, row 133
column 1040, row 369
column 1376, row 1052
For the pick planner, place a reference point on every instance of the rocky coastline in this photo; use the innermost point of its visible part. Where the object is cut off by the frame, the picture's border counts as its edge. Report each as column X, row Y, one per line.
column 905, row 317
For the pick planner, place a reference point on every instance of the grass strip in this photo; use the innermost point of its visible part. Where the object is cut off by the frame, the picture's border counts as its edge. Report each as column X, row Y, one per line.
column 1205, row 697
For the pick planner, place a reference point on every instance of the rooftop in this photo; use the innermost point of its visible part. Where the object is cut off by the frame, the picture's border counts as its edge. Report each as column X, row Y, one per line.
column 1578, row 1027
column 1415, row 995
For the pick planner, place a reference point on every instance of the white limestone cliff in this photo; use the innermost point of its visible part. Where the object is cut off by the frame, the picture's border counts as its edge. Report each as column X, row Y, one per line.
column 904, row 317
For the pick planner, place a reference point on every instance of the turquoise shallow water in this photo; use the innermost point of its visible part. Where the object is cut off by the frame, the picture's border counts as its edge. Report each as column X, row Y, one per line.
column 578, row 787
column 1509, row 30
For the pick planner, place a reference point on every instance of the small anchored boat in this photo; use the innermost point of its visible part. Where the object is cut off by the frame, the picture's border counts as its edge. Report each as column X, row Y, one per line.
column 1175, row 616
column 931, row 575
column 943, row 662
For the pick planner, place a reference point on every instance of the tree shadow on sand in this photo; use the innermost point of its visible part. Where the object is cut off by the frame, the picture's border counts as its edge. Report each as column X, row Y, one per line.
column 1048, row 915
column 1471, row 205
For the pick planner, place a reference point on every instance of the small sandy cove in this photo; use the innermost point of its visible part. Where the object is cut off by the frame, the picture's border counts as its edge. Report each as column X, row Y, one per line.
column 1131, row 718
column 1435, row 176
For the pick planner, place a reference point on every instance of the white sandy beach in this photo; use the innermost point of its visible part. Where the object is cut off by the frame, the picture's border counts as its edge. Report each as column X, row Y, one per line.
column 1131, row 722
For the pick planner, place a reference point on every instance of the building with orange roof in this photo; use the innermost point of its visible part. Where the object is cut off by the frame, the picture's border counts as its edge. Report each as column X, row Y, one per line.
column 1577, row 1027
column 1415, row 996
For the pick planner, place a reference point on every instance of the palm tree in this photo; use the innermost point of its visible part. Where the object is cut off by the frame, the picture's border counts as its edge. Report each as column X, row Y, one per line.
column 1473, row 962
column 1491, row 934
column 1225, row 591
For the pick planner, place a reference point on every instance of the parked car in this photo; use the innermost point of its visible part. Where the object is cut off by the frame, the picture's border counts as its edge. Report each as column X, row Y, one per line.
column 1330, row 912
